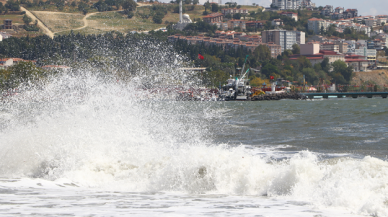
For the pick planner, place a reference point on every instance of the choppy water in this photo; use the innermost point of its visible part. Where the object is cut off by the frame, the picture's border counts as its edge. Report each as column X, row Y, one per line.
column 89, row 147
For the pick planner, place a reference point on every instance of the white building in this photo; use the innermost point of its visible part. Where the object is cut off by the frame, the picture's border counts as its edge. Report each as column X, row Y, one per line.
column 316, row 25
column 369, row 53
column 287, row 4
column 283, row 38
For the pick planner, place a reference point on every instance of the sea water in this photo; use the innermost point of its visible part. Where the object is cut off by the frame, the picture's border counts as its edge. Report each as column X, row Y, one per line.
column 99, row 142
column 87, row 146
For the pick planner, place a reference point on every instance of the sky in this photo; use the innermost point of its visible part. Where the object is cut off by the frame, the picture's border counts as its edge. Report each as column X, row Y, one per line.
column 365, row 7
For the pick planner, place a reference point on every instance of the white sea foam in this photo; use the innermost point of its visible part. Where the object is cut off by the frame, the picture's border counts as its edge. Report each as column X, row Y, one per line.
column 83, row 131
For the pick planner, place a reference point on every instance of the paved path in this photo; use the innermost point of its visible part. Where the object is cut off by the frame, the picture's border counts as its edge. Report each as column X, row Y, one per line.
column 45, row 29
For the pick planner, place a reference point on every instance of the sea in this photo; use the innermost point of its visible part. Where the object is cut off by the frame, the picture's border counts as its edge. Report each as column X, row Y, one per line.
column 86, row 146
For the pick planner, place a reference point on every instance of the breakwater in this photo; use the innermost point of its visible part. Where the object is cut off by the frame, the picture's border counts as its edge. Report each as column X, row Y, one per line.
column 278, row 96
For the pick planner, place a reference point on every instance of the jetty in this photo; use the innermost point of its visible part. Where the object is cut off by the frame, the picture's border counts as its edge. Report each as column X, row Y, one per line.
column 346, row 94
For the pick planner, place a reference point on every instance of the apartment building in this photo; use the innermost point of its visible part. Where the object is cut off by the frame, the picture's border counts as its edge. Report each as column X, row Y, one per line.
column 283, row 38
column 370, row 22
column 370, row 54
column 232, row 24
column 327, row 10
column 232, row 11
column 213, row 18
column 316, row 24
column 329, row 46
column 287, row 4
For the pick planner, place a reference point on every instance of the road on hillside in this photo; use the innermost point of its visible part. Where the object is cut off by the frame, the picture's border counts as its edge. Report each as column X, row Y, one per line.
column 41, row 25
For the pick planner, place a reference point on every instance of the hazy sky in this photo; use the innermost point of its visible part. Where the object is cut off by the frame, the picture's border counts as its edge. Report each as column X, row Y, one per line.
column 365, row 7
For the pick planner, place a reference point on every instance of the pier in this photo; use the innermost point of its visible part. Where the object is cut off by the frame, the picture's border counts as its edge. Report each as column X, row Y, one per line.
column 346, row 94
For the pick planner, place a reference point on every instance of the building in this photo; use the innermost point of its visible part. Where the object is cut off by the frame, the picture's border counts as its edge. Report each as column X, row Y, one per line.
column 184, row 19
column 350, row 13
column 4, row 35
column 342, row 46
column 6, row 63
column 370, row 54
column 339, row 10
column 213, row 18
column 370, row 22
column 329, row 46
column 287, row 4
column 7, row 24
column 327, row 10
column 222, row 26
column 232, row 11
column 290, row 14
column 274, row 49
column 316, row 24
column 283, row 38
column 359, row 63
column 232, row 24
column 311, row 52
column 258, row 24
column 277, row 22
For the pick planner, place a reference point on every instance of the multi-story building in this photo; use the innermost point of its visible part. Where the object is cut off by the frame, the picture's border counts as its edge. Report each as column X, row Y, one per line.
column 258, row 24
column 370, row 22
column 7, row 24
column 316, row 24
column 329, row 46
column 287, row 4
column 232, row 11
column 357, row 62
column 370, row 54
column 311, row 52
column 327, row 10
column 283, row 38
column 342, row 46
column 213, row 18
column 339, row 10
column 274, row 49
column 350, row 13
column 232, row 24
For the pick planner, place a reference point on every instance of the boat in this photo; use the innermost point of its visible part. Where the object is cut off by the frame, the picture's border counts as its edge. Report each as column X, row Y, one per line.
column 237, row 88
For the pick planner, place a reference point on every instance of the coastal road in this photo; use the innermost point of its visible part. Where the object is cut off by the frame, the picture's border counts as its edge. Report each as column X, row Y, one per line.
column 41, row 25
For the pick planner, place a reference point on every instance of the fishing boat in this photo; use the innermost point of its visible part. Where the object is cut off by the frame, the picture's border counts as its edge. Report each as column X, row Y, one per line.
column 237, row 88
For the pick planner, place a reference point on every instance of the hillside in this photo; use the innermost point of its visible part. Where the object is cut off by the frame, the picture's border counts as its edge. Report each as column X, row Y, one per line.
column 379, row 77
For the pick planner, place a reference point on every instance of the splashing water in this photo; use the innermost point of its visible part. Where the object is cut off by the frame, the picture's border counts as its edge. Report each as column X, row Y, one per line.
column 103, row 133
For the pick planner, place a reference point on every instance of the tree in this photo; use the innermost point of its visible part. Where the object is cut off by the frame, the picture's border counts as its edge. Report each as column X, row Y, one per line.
column 195, row 2
column 83, row 7
column 207, row 5
column 340, row 68
column 228, row 16
column 262, row 52
column 12, row 5
column 237, row 16
column 27, row 20
column 129, row 5
column 214, row 7
column 295, row 49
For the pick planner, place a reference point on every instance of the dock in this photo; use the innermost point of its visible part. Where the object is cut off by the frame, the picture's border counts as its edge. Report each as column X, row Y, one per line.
column 346, row 94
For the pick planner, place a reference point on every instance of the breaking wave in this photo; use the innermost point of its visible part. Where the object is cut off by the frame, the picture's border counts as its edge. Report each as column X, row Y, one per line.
column 101, row 132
